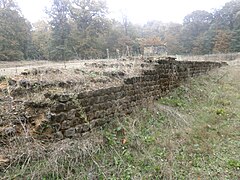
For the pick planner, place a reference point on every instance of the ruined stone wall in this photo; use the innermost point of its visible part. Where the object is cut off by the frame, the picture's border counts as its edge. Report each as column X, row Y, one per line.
column 69, row 115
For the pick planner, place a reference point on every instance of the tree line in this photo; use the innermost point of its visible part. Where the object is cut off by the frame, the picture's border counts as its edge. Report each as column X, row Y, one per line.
column 81, row 29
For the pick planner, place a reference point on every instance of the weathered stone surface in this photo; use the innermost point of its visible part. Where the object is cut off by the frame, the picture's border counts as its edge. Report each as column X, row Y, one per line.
column 36, row 104
column 34, row 71
column 82, row 95
column 58, row 107
column 80, row 114
column 64, row 98
column 131, row 80
column 66, row 124
column 85, row 127
column 71, row 114
column 24, row 83
column 71, row 105
column 12, row 82
column 60, row 117
column 2, row 78
column 59, row 135
column 63, row 84
column 9, row 131
column 47, row 95
column 25, row 72
column 18, row 91
column 79, row 128
column 70, row 132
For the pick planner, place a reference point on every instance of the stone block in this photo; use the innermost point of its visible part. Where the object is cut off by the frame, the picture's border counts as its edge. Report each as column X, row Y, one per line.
column 63, row 98
column 65, row 125
column 58, row 135
column 58, row 107
column 59, row 117
column 71, row 114
column 70, row 132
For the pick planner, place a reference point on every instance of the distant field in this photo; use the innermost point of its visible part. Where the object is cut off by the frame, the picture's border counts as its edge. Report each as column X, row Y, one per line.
column 16, row 67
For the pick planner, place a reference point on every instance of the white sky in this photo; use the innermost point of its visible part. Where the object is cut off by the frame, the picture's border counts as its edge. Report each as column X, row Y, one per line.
column 138, row 11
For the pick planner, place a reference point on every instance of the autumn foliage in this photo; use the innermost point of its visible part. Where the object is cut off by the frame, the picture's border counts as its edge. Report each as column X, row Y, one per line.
column 81, row 29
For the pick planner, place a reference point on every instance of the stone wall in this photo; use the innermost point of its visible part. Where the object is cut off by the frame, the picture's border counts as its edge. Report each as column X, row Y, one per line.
column 68, row 115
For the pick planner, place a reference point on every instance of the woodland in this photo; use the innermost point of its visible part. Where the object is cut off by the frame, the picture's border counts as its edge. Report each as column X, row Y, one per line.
column 82, row 29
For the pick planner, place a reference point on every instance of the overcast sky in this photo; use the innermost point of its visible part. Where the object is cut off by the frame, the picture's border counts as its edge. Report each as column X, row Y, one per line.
column 138, row 11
